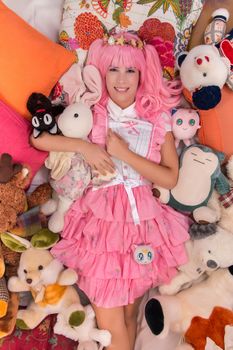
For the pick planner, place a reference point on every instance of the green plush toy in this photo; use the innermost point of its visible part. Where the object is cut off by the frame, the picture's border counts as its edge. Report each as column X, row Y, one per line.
column 199, row 174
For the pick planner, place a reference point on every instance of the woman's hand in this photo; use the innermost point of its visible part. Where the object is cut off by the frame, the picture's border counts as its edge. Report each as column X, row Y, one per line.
column 116, row 146
column 97, row 158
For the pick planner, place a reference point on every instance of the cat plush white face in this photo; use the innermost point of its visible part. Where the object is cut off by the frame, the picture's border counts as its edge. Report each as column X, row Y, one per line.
column 76, row 121
column 143, row 254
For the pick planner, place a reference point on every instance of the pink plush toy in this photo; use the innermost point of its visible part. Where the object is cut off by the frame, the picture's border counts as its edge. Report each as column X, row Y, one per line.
column 185, row 123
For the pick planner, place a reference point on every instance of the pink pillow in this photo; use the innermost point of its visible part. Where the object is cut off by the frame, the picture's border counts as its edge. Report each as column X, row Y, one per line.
column 14, row 139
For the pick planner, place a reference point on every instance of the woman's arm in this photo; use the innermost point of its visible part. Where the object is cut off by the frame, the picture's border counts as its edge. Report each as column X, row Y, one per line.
column 94, row 155
column 164, row 174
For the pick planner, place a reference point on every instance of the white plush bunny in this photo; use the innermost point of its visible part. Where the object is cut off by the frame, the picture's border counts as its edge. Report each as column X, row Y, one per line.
column 70, row 174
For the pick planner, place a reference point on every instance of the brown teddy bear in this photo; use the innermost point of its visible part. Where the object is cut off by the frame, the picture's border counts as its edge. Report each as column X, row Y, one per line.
column 14, row 178
column 13, row 201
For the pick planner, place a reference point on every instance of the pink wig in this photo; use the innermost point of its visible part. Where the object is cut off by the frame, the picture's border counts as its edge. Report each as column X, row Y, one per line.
column 154, row 94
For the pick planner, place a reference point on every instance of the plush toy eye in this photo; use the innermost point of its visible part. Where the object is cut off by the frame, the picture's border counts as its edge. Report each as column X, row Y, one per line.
column 25, row 271
column 47, row 119
column 209, row 251
column 204, row 74
column 179, row 121
column 149, row 255
column 192, row 122
column 35, row 122
column 76, row 115
column 140, row 256
column 40, row 267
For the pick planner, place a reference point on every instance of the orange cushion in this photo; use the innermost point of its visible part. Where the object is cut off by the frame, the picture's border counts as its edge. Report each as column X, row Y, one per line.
column 29, row 62
column 217, row 123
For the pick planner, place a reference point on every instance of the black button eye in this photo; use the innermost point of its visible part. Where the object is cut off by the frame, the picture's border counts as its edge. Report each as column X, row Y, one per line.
column 204, row 74
column 25, row 271
column 76, row 115
column 40, row 267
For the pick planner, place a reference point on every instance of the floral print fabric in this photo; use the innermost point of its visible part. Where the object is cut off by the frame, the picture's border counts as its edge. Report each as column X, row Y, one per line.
column 166, row 24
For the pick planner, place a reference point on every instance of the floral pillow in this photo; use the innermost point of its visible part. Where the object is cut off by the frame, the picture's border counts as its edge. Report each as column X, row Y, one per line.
column 166, row 24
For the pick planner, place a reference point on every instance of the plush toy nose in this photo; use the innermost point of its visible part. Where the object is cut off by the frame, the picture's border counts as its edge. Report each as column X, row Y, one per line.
column 29, row 280
column 212, row 264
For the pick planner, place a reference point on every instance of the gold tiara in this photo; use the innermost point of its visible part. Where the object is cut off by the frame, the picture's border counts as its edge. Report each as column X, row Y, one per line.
column 111, row 40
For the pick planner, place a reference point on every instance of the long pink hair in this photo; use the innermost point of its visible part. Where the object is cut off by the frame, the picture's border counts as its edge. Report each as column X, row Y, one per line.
column 154, row 94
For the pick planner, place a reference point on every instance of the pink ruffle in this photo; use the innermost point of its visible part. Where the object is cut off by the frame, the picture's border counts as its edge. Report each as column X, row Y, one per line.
column 100, row 237
column 157, row 138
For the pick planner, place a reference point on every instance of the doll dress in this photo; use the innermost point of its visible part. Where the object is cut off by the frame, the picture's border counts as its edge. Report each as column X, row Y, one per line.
column 119, row 238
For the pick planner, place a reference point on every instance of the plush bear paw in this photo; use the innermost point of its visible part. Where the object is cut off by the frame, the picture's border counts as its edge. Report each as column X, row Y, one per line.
column 105, row 338
column 76, row 318
column 162, row 194
column 49, row 207
column 21, row 324
column 56, row 222
column 169, row 289
column 205, row 215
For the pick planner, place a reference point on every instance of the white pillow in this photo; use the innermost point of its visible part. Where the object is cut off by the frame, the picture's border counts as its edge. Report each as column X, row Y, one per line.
column 43, row 15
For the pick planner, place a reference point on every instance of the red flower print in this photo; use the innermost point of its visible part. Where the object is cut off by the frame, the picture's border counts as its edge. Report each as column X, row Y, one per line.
column 87, row 29
column 153, row 27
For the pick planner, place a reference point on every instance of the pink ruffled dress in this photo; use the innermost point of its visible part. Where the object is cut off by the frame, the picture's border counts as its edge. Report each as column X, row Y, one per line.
column 118, row 237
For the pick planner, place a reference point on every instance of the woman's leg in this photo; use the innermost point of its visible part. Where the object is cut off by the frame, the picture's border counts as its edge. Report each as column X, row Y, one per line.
column 131, row 312
column 114, row 321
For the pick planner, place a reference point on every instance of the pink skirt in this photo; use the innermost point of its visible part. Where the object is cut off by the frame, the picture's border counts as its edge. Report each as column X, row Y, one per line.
column 100, row 239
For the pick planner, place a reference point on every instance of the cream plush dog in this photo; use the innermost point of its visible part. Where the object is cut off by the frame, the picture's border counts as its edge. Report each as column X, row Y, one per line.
column 164, row 313
column 49, row 282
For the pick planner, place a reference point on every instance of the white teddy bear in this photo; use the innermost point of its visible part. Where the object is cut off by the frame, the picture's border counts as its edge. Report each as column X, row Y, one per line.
column 209, row 248
column 203, row 73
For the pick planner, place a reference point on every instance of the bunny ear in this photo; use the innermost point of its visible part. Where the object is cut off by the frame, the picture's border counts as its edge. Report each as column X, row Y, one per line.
column 73, row 84
column 93, row 81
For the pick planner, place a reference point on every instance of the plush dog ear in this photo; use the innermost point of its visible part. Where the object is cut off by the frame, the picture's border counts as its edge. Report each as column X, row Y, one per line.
column 93, row 81
column 37, row 101
column 44, row 239
column 180, row 58
column 15, row 243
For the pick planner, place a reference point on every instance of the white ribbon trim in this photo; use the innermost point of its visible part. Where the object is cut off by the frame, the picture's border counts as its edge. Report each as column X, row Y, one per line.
column 128, row 185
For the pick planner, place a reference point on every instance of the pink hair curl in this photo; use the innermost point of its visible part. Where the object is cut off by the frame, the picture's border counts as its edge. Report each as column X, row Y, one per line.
column 154, row 94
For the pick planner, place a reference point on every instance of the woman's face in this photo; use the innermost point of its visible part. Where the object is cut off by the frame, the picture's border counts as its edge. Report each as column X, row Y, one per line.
column 122, row 84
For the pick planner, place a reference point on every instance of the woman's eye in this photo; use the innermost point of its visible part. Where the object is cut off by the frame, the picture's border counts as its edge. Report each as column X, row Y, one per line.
column 192, row 122
column 112, row 69
column 179, row 121
column 130, row 70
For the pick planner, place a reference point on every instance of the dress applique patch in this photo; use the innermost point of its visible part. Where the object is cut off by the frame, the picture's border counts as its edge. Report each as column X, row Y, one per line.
column 144, row 254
